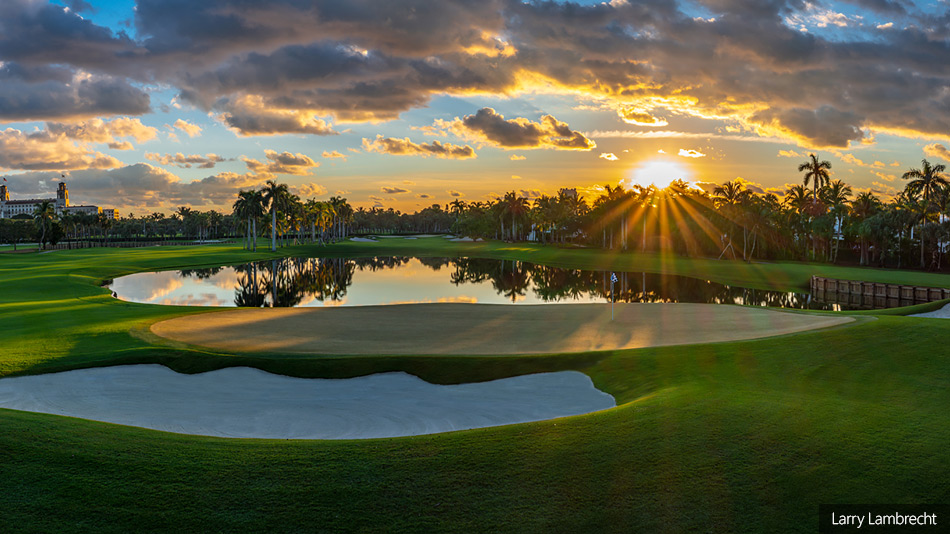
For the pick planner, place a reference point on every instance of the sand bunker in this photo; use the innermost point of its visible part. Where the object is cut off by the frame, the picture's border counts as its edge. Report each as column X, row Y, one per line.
column 481, row 328
column 249, row 403
column 942, row 313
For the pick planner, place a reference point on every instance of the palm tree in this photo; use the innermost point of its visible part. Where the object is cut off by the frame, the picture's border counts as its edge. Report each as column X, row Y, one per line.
column 242, row 209
column 836, row 195
column 928, row 182
column 816, row 172
column 862, row 208
column 274, row 198
column 515, row 207
column 738, row 205
column 44, row 214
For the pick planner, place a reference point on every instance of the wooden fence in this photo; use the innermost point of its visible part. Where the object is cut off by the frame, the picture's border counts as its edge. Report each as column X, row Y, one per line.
column 873, row 294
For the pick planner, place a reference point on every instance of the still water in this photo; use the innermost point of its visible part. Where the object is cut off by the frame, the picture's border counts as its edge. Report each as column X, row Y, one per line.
column 292, row 282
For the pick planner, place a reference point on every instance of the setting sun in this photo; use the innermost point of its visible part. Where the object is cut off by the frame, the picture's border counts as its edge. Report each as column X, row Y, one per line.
column 657, row 172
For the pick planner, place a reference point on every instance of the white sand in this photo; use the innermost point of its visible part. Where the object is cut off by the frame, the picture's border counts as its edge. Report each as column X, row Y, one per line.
column 466, row 239
column 942, row 313
column 249, row 403
column 362, row 240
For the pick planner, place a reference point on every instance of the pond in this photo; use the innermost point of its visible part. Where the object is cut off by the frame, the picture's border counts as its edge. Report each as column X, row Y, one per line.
column 243, row 402
column 299, row 282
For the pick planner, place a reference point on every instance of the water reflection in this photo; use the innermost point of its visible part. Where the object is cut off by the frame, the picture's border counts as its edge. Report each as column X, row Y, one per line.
column 389, row 280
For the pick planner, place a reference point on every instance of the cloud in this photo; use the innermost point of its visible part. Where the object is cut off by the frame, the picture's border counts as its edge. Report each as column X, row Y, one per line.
column 691, row 153
column 281, row 163
column 885, row 177
column 100, row 131
column 937, row 150
column 121, row 145
column 454, row 193
column 884, row 190
column 640, row 118
column 530, row 194
column 516, row 157
column 249, row 115
column 405, row 147
column 489, row 126
column 207, row 161
column 45, row 150
column 277, row 67
column 672, row 134
column 609, row 156
column 393, row 190
column 308, row 190
column 852, row 159
column 424, row 196
column 333, row 155
column 791, row 154
column 515, row 177
column 57, row 93
column 751, row 186
column 819, row 128
column 192, row 130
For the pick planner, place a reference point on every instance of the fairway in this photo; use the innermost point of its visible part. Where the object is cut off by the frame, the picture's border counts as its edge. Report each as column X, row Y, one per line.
column 482, row 328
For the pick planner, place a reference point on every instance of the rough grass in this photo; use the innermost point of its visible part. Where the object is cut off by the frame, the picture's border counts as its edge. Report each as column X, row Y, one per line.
column 731, row 437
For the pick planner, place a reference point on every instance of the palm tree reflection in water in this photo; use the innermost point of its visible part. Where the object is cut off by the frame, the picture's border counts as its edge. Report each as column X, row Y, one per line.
column 294, row 281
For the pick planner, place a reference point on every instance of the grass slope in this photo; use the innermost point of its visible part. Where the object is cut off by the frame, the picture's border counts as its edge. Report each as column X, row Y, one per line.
column 731, row 437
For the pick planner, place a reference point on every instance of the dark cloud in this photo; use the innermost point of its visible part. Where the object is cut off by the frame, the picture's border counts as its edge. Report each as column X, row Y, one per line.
column 489, row 126
column 825, row 126
column 252, row 116
column 393, row 190
column 37, row 33
column 416, row 27
column 405, row 147
column 288, row 66
column 51, row 98
column 882, row 6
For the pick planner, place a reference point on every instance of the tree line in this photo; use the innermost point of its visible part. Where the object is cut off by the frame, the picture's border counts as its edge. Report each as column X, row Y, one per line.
column 818, row 220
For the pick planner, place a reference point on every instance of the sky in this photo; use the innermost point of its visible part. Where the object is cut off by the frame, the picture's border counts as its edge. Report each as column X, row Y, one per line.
column 149, row 105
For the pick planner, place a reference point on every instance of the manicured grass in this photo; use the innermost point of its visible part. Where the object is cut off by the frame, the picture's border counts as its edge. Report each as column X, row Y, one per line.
column 730, row 437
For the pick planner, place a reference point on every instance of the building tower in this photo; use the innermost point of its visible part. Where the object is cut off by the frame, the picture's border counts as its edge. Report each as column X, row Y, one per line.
column 62, row 196
column 4, row 194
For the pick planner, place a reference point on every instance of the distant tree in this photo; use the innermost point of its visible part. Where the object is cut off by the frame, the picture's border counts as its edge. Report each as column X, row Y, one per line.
column 928, row 183
column 44, row 215
column 274, row 198
column 816, row 172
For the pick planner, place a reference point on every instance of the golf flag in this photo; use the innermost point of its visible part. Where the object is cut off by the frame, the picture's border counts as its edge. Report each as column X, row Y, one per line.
column 613, row 277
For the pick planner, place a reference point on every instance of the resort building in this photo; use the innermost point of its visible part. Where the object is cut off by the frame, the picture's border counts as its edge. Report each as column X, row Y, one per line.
column 11, row 208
